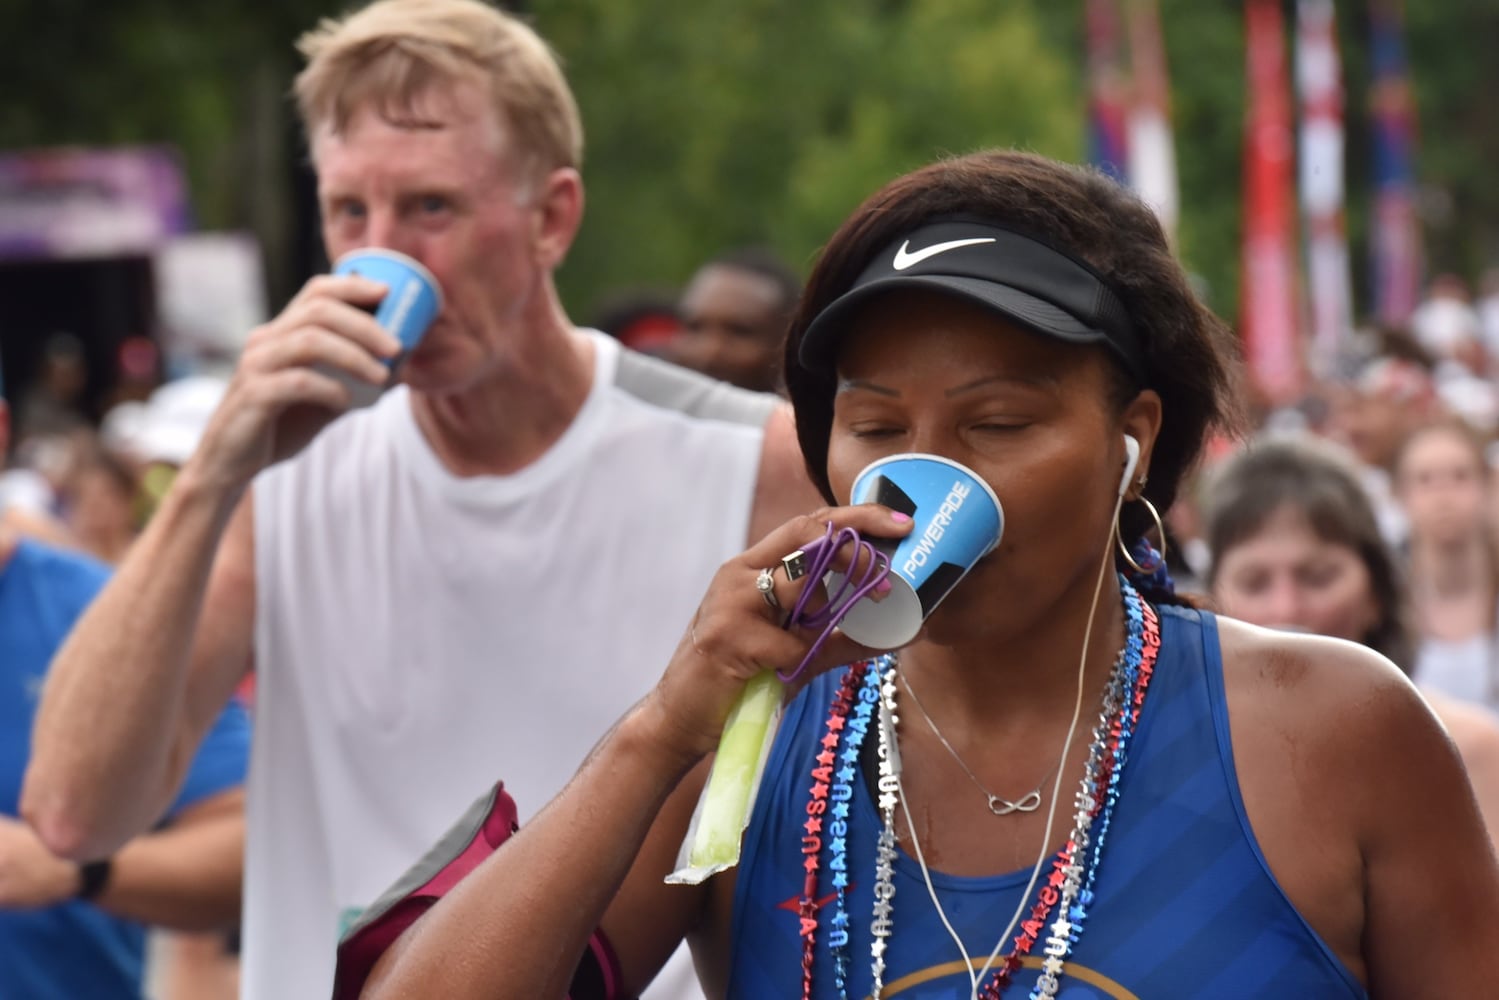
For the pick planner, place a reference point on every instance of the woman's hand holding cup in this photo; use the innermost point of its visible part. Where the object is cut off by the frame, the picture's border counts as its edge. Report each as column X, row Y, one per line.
column 737, row 630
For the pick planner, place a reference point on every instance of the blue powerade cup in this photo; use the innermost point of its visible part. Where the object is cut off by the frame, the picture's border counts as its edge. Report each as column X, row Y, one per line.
column 958, row 522
column 408, row 309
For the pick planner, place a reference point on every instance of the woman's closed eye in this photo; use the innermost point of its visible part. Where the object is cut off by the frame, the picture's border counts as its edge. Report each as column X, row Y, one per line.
column 1001, row 425
column 875, row 432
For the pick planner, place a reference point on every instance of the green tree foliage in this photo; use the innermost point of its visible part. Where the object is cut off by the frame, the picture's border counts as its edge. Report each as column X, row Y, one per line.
column 81, row 72
column 719, row 124
column 722, row 122
column 1456, row 79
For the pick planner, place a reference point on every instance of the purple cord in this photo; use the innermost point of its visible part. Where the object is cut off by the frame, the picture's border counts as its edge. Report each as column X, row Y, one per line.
column 819, row 557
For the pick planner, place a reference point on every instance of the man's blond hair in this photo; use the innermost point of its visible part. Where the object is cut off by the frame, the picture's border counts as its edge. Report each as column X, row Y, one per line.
column 391, row 53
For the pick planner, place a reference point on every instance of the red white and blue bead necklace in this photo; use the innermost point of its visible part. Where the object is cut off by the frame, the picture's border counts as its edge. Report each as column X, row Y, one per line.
column 1070, row 887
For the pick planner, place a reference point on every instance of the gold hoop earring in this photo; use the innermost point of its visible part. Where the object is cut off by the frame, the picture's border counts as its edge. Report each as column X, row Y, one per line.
column 1160, row 530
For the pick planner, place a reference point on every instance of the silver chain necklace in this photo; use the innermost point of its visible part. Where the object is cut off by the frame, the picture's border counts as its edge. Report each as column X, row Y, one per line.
column 998, row 805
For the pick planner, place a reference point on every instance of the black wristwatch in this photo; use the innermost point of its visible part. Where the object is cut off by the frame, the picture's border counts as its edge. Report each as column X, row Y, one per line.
column 92, row 878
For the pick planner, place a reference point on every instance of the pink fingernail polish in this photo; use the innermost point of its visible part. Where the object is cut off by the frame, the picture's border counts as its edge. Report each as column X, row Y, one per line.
column 883, row 587
column 898, row 517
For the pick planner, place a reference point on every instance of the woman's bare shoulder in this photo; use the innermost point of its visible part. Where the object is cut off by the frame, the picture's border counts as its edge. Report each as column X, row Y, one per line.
column 1333, row 697
column 1326, row 735
column 1309, row 668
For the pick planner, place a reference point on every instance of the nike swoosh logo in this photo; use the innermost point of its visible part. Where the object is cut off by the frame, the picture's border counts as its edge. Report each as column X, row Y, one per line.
column 903, row 259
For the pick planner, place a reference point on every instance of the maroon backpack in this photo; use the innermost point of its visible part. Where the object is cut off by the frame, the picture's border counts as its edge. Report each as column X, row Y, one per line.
column 486, row 825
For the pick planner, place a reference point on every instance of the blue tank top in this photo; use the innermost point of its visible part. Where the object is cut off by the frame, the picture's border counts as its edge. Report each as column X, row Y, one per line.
column 1186, row 906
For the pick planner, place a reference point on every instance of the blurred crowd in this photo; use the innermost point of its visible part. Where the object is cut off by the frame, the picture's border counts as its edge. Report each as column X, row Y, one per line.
column 92, row 484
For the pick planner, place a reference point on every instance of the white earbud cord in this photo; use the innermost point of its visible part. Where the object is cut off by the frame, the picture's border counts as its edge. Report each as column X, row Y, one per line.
column 1077, row 710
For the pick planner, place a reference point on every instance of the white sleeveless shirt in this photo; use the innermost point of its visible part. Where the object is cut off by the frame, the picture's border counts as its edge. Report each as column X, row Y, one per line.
column 420, row 635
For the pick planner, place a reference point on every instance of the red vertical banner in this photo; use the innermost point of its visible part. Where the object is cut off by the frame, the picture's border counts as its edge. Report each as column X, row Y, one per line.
column 1268, row 315
column 1152, row 150
column 1319, row 79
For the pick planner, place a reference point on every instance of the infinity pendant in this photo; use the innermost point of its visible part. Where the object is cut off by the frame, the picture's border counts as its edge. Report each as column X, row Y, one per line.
column 1030, row 802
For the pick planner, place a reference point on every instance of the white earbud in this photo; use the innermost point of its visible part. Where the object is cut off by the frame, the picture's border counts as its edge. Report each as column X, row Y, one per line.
column 1132, row 458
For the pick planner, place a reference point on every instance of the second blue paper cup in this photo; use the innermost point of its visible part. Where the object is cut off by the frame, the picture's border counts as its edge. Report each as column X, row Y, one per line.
column 407, row 310
column 414, row 299
column 958, row 520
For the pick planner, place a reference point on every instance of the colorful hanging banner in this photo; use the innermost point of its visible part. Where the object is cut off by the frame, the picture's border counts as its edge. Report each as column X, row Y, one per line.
column 1396, row 244
column 1152, row 150
column 1268, row 323
column 1319, row 79
column 74, row 203
column 1108, row 90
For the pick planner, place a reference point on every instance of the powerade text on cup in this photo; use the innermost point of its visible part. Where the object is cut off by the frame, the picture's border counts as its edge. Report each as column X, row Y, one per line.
column 958, row 520
column 929, row 538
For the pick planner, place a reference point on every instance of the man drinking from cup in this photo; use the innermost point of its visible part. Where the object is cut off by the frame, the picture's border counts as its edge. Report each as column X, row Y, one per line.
column 469, row 579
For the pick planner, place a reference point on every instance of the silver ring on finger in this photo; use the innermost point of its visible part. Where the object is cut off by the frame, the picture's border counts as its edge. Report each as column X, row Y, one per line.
column 765, row 583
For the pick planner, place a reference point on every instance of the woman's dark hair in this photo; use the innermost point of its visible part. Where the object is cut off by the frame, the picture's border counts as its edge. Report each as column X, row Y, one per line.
column 1320, row 482
column 1189, row 357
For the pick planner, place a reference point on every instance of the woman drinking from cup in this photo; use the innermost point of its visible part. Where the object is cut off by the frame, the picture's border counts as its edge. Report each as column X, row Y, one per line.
column 1066, row 784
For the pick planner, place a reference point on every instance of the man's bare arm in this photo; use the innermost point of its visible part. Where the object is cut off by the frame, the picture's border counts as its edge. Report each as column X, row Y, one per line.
column 142, row 677
column 155, row 657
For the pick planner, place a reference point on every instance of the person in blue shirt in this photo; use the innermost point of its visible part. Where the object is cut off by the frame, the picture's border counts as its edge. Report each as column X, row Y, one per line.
column 79, row 931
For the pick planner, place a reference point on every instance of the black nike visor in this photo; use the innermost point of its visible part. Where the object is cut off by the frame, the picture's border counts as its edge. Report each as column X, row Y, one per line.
column 1020, row 278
